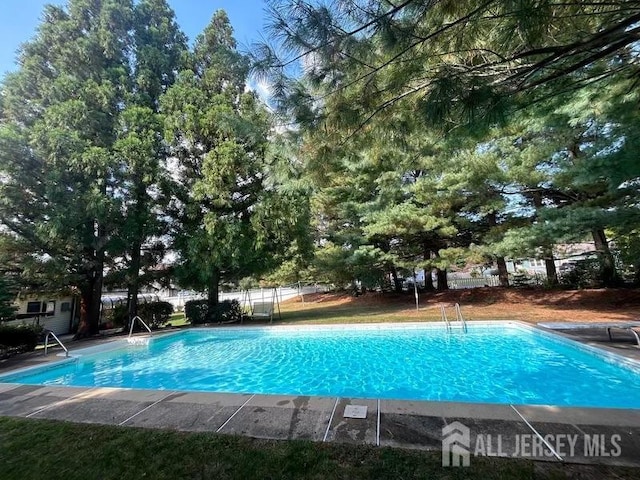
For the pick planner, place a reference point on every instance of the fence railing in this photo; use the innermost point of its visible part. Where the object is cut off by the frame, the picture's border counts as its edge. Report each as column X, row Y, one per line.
column 454, row 281
column 254, row 295
column 457, row 283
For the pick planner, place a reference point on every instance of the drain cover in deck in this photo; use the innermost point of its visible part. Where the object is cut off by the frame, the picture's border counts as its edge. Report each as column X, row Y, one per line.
column 355, row 411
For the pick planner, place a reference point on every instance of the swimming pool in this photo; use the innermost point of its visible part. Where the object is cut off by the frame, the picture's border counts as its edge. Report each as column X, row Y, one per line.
column 499, row 362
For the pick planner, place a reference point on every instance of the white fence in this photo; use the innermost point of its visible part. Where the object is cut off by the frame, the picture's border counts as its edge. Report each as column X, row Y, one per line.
column 255, row 295
column 457, row 283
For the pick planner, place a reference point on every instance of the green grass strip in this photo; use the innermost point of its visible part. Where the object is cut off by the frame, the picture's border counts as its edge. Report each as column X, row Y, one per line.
column 34, row 449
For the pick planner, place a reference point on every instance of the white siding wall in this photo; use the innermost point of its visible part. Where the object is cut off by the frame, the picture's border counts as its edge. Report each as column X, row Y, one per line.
column 58, row 323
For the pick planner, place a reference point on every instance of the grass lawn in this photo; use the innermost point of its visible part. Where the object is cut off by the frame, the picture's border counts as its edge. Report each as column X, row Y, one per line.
column 334, row 309
column 66, row 451
column 529, row 305
column 178, row 319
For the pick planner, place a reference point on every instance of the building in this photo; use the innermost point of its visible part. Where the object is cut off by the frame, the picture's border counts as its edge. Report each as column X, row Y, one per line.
column 53, row 312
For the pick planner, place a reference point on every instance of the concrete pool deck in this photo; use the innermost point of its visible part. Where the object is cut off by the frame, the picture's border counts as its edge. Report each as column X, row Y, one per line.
column 504, row 430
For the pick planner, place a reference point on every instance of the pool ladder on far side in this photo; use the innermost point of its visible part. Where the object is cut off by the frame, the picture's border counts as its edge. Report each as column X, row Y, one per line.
column 135, row 340
column 459, row 318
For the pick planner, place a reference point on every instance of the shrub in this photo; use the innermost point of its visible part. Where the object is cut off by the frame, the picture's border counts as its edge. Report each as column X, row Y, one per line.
column 116, row 316
column 19, row 338
column 228, row 311
column 154, row 314
column 584, row 273
column 197, row 312
column 523, row 279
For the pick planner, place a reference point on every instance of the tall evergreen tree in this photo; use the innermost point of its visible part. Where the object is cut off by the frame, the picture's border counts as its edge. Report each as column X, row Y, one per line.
column 58, row 126
column 229, row 217
column 460, row 69
column 456, row 61
column 159, row 48
column 82, row 143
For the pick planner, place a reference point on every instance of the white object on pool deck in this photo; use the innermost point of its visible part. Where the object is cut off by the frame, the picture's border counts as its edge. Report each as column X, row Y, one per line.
column 355, row 411
column 629, row 326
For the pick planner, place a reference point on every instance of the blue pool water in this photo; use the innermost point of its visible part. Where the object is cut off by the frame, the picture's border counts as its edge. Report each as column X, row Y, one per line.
column 494, row 364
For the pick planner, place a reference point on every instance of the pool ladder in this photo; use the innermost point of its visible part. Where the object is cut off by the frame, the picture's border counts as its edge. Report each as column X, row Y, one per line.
column 46, row 343
column 459, row 318
column 133, row 321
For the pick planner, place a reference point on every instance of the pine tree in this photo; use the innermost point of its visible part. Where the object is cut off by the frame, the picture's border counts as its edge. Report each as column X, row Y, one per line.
column 229, row 218
column 456, row 62
column 466, row 72
column 159, row 48
column 7, row 299
column 59, row 123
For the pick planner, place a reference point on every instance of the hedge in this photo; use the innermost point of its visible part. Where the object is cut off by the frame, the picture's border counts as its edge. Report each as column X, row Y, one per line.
column 19, row 338
column 226, row 311
column 154, row 314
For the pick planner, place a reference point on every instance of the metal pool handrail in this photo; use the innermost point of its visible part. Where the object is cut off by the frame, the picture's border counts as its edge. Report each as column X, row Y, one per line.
column 460, row 318
column 133, row 321
column 46, row 343
column 443, row 313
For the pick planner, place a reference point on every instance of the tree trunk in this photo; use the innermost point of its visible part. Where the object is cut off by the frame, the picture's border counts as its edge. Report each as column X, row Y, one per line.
column 212, row 297
column 134, row 282
column 90, row 306
column 91, row 292
column 550, row 266
column 503, row 274
column 442, row 279
column 397, row 283
column 96, row 300
column 84, row 324
column 139, row 236
column 428, row 280
column 609, row 274
column 547, row 248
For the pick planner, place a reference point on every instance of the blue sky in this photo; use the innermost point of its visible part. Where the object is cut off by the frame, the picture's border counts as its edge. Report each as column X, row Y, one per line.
column 19, row 19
